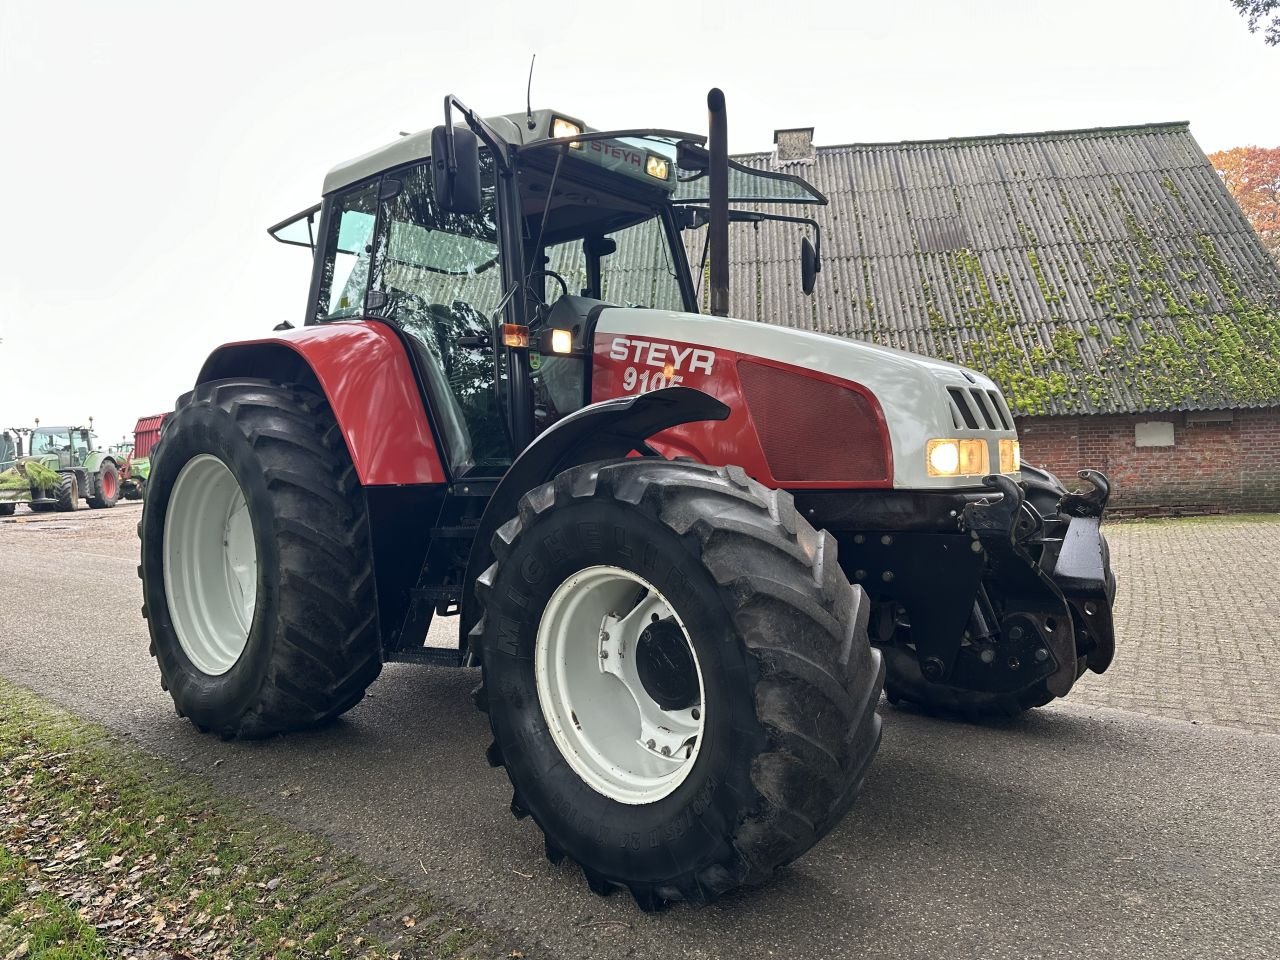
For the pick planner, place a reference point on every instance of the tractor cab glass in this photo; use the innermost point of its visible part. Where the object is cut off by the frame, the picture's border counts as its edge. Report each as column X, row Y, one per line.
column 438, row 276
column 344, row 275
column 597, row 230
column 81, row 445
column 10, row 448
column 53, row 443
column 389, row 251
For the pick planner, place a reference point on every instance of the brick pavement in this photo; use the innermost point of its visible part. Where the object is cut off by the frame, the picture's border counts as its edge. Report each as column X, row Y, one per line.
column 1197, row 622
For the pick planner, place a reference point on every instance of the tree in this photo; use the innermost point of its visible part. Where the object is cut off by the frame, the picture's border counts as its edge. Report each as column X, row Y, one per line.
column 1261, row 12
column 1252, row 174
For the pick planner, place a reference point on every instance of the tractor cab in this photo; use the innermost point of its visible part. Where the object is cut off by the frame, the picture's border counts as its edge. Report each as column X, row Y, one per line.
column 61, row 448
column 494, row 247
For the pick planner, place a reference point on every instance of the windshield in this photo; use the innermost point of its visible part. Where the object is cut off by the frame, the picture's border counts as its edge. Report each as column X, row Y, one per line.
column 639, row 272
column 596, row 234
column 45, row 442
column 8, row 448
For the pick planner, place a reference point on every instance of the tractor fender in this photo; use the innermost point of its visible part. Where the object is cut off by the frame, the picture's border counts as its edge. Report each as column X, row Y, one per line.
column 599, row 431
column 363, row 370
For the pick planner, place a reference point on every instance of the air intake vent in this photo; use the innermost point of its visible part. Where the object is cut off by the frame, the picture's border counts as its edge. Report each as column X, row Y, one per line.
column 1002, row 412
column 814, row 430
column 983, row 403
column 961, row 399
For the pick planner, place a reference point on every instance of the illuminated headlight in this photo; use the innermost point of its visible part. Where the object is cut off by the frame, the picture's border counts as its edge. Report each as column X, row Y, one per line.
column 957, row 458
column 656, row 166
column 561, row 127
column 562, row 341
column 1010, row 456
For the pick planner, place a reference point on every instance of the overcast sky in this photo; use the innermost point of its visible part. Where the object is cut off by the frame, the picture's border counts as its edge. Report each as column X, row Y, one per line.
column 146, row 146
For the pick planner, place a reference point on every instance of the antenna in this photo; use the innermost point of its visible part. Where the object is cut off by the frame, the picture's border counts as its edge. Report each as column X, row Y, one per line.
column 528, row 96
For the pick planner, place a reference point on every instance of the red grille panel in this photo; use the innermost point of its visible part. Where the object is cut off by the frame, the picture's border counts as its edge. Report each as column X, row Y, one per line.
column 814, row 429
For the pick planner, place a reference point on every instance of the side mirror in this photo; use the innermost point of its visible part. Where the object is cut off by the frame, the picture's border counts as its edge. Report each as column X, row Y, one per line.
column 600, row 246
column 691, row 157
column 810, row 266
column 456, row 190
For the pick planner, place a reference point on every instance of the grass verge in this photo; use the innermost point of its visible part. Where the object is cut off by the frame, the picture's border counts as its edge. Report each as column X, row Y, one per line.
column 108, row 852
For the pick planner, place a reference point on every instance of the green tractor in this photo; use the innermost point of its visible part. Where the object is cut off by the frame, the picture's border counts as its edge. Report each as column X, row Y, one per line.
column 22, row 479
column 83, row 471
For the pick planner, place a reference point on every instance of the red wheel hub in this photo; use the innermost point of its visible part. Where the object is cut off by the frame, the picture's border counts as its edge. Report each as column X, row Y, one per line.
column 108, row 485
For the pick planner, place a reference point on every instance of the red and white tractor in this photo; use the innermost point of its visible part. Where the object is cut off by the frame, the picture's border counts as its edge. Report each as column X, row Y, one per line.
column 504, row 404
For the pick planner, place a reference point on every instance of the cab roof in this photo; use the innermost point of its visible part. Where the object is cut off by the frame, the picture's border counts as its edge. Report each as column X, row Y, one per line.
column 515, row 128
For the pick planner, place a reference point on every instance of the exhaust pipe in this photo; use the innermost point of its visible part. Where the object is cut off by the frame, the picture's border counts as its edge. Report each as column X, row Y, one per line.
column 718, row 238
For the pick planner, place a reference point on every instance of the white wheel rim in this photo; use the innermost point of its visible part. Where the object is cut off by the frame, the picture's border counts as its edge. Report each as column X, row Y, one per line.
column 587, row 661
column 210, row 565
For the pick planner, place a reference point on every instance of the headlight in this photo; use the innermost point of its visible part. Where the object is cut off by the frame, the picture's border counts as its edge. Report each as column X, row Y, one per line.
column 957, row 458
column 562, row 341
column 1010, row 456
column 656, row 166
column 561, row 127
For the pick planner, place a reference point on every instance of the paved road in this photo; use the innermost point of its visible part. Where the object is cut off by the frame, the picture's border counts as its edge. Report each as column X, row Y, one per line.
column 1078, row 831
column 1198, row 617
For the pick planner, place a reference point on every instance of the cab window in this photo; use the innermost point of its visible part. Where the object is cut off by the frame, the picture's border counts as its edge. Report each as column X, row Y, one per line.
column 344, row 275
column 80, row 445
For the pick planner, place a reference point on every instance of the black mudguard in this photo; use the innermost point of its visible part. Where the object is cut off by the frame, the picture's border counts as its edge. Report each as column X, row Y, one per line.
column 600, row 431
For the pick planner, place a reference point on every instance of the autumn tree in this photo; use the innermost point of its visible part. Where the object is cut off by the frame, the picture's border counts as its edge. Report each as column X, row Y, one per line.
column 1252, row 174
column 1264, row 13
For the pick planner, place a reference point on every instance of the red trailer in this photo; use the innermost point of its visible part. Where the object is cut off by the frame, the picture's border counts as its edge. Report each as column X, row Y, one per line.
column 145, row 435
column 137, row 469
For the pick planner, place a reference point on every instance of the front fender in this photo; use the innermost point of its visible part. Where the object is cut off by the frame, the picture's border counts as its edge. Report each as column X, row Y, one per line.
column 601, row 431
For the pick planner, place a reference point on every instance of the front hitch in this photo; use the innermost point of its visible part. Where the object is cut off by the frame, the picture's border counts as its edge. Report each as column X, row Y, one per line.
column 1035, row 636
column 1087, row 504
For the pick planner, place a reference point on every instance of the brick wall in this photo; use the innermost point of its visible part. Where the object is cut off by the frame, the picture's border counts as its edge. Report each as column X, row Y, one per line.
column 1210, row 467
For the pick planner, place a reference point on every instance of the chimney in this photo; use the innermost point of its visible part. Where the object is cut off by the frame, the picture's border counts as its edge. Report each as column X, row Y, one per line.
column 794, row 145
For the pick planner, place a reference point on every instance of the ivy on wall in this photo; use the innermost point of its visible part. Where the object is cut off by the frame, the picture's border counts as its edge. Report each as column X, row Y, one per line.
column 1167, row 330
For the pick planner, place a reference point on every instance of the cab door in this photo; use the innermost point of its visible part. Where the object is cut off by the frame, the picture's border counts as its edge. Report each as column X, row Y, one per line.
column 389, row 253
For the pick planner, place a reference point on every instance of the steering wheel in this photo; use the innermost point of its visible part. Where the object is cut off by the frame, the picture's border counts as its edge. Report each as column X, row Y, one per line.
column 564, row 287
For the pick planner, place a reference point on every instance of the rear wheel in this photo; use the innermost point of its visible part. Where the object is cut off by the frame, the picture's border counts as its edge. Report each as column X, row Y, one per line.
column 677, row 676
column 108, row 487
column 256, row 562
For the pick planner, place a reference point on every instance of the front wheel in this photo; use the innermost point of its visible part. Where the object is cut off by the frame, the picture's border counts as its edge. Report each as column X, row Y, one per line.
column 67, row 496
column 6, row 509
column 107, row 487
column 256, row 562
column 677, row 675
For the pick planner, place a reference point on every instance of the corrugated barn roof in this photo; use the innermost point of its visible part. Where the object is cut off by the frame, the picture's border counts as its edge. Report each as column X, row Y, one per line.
column 1089, row 271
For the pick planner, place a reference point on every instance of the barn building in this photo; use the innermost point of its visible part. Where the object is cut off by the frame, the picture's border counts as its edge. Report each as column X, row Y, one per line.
column 1105, row 278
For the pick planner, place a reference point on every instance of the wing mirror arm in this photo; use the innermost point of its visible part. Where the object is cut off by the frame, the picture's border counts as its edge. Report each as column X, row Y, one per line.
column 455, row 158
column 500, row 148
